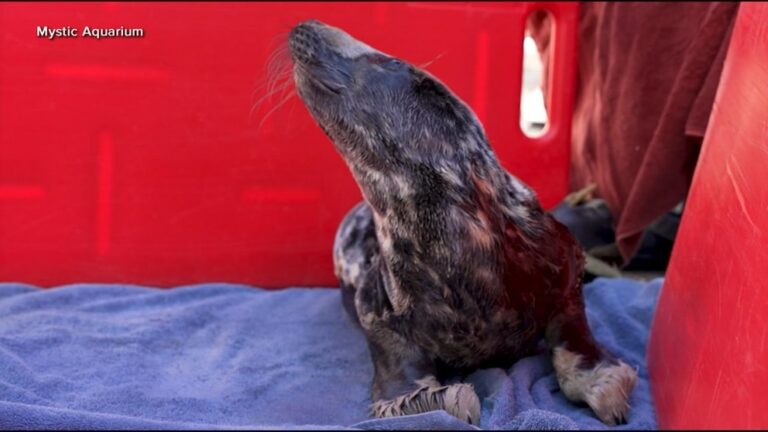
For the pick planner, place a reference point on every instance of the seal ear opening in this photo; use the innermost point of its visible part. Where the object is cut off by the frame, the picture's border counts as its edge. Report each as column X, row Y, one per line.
column 539, row 30
column 434, row 94
column 424, row 85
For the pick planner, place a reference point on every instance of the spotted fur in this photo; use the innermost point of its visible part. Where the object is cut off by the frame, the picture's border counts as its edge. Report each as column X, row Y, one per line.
column 450, row 263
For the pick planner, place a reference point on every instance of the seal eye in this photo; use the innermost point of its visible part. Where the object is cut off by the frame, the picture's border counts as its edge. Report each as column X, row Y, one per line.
column 393, row 64
column 386, row 62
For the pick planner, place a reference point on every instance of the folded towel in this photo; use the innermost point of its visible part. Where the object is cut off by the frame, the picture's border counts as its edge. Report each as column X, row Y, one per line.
column 224, row 356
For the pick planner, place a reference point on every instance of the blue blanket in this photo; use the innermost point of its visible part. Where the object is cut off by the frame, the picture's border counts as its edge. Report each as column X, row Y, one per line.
column 223, row 356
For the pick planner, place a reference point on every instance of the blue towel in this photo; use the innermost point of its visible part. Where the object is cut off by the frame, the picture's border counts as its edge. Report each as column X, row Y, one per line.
column 224, row 356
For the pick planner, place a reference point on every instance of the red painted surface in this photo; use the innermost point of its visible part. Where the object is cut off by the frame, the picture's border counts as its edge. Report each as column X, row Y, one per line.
column 708, row 353
column 139, row 160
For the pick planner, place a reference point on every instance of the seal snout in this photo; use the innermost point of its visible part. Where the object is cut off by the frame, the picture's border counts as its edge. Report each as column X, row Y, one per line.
column 304, row 41
column 321, row 55
column 315, row 40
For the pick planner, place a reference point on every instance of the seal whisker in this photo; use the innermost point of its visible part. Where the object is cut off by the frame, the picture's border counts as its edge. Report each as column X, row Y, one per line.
column 274, row 53
column 278, row 78
column 278, row 59
column 278, row 83
column 277, row 69
column 277, row 64
column 276, row 107
column 268, row 96
column 427, row 64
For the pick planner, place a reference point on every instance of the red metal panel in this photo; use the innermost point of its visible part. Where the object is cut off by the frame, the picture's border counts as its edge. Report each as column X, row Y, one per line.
column 138, row 160
column 708, row 353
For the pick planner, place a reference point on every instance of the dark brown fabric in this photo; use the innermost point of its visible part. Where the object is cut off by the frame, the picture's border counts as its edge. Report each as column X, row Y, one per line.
column 647, row 77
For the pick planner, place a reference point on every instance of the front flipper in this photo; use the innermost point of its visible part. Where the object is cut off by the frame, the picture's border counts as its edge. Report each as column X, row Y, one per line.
column 404, row 382
column 585, row 371
column 404, row 376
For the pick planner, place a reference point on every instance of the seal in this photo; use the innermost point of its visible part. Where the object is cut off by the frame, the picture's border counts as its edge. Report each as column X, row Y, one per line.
column 449, row 264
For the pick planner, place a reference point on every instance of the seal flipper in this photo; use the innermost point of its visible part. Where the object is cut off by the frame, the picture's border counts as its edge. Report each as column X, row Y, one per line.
column 404, row 376
column 355, row 253
column 585, row 371
column 404, row 381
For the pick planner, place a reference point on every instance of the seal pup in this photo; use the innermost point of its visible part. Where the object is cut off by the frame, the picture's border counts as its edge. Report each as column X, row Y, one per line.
column 449, row 264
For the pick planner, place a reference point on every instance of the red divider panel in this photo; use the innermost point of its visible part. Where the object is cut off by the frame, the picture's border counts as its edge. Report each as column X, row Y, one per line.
column 141, row 160
column 708, row 353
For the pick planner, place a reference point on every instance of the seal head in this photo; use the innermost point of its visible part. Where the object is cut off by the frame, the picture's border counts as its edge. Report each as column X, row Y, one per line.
column 382, row 114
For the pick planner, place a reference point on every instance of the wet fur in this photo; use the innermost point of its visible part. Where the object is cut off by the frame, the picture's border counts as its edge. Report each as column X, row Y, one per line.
column 450, row 263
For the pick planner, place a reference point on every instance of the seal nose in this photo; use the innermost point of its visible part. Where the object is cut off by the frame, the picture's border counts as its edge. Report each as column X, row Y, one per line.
column 304, row 40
